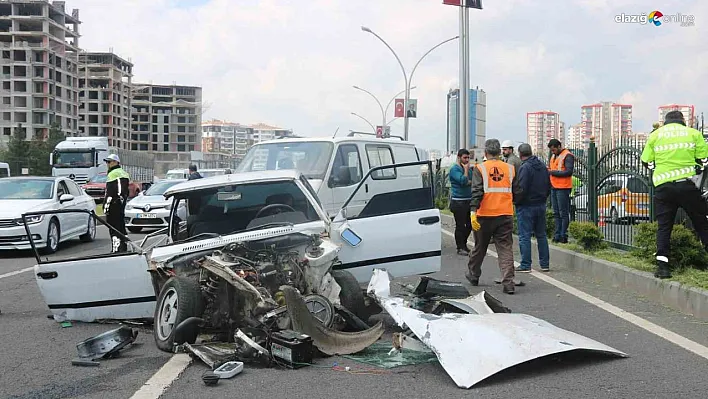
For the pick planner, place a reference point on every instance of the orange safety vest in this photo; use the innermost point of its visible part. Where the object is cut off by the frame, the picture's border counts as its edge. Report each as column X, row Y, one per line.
column 558, row 163
column 498, row 199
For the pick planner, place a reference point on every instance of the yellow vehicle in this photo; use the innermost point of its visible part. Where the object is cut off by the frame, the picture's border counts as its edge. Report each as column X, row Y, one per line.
column 619, row 197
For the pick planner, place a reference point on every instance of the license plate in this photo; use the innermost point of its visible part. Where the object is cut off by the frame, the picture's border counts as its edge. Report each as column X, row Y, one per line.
column 147, row 216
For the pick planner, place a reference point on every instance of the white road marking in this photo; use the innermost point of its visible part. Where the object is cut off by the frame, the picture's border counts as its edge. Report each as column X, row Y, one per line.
column 160, row 381
column 670, row 336
column 16, row 272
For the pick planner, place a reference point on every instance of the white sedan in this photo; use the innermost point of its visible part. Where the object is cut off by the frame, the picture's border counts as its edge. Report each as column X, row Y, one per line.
column 20, row 195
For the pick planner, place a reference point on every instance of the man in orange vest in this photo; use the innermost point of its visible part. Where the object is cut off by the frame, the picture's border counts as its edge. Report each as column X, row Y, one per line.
column 561, row 170
column 493, row 188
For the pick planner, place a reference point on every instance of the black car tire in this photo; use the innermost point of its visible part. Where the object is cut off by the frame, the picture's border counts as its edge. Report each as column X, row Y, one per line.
column 190, row 303
column 351, row 295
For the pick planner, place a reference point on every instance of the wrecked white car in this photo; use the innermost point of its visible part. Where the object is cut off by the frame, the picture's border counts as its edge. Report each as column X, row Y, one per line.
column 245, row 237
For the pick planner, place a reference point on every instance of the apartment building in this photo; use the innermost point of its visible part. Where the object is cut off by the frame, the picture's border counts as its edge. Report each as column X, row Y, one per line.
column 39, row 42
column 264, row 132
column 166, row 120
column 227, row 138
column 541, row 127
column 689, row 112
column 105, row 81
column 608, row 122
column 574, row 138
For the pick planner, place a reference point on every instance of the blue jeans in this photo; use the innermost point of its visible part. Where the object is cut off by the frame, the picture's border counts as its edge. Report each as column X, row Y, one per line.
column 560, row 200
column 532, row 219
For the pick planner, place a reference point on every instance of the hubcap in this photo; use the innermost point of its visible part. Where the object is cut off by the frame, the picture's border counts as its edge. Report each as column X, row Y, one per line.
column 168, row 314
column 92, row 227
column 53, row 236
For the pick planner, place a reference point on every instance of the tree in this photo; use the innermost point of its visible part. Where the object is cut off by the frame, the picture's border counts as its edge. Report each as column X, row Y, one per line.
column 40, row 150
column 18, row 151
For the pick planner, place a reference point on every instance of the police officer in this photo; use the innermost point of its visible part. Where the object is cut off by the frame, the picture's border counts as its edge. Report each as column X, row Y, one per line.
column 676, row 153
column 116, row 197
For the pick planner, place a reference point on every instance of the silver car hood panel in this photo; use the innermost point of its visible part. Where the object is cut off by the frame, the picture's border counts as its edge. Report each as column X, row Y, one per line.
column 473, row 347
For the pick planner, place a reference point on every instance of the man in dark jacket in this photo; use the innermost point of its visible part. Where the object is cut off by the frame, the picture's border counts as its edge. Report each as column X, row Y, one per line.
column 535, row 184
column 193, row 174
column 117, row 181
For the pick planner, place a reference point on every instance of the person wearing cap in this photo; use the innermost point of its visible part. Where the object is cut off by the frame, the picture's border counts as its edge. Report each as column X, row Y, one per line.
column 509, row 156
column 193, row 174
column 675, row 153
column 114, row 202
column 561, row 171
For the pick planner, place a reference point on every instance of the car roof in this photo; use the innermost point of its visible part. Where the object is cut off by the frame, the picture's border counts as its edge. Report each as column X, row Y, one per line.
column 46, row 178
column 339, row 140
column 236, row 178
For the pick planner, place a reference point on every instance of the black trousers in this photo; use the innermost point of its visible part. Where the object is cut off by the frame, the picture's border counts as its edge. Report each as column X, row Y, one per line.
column 463, row 223
column 667, row 199
column 116, row 219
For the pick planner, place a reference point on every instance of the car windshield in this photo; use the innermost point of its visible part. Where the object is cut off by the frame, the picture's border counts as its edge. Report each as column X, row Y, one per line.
column 26, row 189
column 70, row 159
column 311, row 158
column 161, row 187
column 232, row 209
column 99, row 179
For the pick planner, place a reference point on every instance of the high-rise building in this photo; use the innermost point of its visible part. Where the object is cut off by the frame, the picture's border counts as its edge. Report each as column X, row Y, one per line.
column 574, row 137
column 39, row 42
column 226, row 138
column 264, row 132
column 105, row 98
column 541, row 127
column 477, row 119
column 688, row 111
column 607, row 121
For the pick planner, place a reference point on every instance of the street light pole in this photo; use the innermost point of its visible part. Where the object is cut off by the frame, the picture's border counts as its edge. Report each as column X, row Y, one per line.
column 406, row 77
column 373, row 128
column 384, row 112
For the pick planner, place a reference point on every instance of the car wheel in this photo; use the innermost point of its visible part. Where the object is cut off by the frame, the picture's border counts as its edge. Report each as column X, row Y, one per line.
column 351, row 295
column 321, row 308
column 614, row 215
column 53, row 234
column 90, row 232
column 179, row 299
column 135, row 230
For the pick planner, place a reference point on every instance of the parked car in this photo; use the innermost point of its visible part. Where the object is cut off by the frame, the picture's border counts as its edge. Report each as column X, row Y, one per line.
column 96, row 188
column 4, row 169
column 150, row 209
column 19, row 195
column 251, row 232
column 619, row 197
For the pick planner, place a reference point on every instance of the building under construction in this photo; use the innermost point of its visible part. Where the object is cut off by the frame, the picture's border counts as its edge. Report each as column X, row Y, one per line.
column 105, row 81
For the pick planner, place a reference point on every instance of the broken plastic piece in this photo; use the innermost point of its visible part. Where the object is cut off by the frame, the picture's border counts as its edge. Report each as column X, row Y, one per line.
column 85, row 363
column 66, row 324
column 229, row 369
column 430, row 287
column 106, row 345
column 482, row 303
column 210, row 378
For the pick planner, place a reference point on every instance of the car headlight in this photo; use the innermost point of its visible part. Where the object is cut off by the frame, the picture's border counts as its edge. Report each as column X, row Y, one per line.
column 169, row 206
column 30, row 220
column 128, row 207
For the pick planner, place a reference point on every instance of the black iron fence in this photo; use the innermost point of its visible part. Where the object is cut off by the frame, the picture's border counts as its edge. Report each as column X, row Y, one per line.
column 611, row 188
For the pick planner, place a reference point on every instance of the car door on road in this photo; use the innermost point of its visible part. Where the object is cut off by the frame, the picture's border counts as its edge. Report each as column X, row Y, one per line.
column 398, row 230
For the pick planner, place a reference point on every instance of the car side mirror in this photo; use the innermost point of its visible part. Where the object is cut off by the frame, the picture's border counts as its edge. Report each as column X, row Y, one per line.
column 65, row 198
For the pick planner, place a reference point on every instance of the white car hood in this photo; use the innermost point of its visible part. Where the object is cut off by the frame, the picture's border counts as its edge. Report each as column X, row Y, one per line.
column 153, row 200
column 11, row 208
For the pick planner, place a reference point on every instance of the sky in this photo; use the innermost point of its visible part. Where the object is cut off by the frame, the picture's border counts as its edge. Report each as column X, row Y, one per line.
column 292, row 63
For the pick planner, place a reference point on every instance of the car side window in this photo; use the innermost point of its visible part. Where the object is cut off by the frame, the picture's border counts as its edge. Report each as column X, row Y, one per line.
column 380, row 155
column 346, row 168
column 61, row 189
column 73, row 189
column 636, row 186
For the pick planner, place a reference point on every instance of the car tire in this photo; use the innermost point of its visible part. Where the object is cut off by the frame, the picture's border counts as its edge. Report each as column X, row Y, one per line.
column 53, row 237
column 351, row 295
column 135, row 230
column 90, row 231
column 183, row 296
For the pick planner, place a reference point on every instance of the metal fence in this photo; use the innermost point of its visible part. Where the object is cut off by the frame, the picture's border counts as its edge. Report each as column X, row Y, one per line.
column 612, row 189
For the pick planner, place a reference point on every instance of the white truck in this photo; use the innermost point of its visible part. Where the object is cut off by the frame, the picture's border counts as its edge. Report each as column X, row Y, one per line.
column 81, row 159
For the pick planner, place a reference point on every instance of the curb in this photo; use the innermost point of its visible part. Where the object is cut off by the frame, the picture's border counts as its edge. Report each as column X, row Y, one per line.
column 688, row 300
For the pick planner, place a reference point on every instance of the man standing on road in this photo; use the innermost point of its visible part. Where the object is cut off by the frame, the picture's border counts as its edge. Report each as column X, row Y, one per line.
column 492, row 208
column 117, row 181
column 509, row 156
column 535, row 186
column 460, row 200
column 193, row 174
column 561, row 170
column 676, row 153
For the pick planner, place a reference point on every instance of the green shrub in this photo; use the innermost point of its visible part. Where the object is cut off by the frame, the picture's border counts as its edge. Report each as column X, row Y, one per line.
column 686, row 250
column 442, row 203
column 588, row 235
column 550, row 224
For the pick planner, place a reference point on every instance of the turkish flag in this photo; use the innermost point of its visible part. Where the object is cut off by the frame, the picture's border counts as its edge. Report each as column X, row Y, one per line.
column 379, row 131
column 400, row 109
column 464, row 3
column 453, row 2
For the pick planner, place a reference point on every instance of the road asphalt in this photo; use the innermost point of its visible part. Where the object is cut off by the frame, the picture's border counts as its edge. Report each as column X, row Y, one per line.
column 36, row 351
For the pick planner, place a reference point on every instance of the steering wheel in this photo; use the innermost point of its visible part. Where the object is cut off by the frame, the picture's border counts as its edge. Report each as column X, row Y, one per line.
column 271, row 207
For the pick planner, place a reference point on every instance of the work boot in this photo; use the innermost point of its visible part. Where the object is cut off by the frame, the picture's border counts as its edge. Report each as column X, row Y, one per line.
column 473, row 280
column 662, row 270
column 463, row 252
column 508, row 289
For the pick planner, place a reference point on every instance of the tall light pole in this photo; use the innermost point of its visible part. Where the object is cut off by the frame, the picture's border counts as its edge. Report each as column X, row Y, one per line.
column 373, row 128
column 384, row 112
column 406, row 78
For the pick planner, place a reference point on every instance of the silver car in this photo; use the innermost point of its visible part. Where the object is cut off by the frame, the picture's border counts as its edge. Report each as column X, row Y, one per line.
column 150, row 209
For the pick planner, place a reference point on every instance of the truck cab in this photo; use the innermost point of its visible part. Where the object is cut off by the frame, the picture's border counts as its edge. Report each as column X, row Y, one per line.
column 335, row 166
column 79, row 158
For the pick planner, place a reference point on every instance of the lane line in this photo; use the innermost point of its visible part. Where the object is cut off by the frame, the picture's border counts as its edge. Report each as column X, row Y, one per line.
column 16, row 272
column 662, row 332
column 160, row 381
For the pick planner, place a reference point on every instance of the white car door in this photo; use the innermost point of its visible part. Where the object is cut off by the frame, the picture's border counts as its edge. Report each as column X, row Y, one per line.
column 112, row 286
column 81, row 201
column 398, row 230
column 345, row 174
